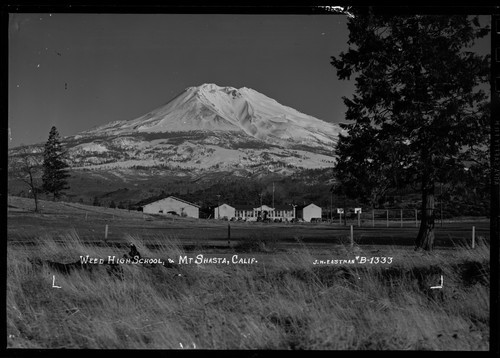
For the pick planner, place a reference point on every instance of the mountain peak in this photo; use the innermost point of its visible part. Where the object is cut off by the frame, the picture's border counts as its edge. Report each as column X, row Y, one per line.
column 205, row 87
column 210, row 88
column 210, row 107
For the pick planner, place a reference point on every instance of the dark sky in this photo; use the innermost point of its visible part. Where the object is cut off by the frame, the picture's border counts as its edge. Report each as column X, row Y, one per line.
column 76, row 71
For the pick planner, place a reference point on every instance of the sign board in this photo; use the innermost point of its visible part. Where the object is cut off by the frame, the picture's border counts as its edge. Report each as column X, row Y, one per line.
column 357, row 210
column 340, row 211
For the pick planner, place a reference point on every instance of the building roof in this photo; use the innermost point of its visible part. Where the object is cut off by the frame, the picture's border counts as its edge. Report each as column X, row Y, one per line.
column 300, row 207
column 172, row 197
column 223, row 204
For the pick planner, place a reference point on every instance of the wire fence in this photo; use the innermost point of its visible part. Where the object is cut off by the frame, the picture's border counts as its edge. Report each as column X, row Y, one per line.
column 390, row 217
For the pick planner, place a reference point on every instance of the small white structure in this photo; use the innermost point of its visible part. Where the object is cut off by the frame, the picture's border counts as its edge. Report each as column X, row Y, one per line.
column 172, row 205
column 224, row 210
column 308, row 212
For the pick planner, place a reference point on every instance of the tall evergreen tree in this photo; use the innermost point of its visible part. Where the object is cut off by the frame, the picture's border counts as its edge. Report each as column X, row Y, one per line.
column 417, row 108
column 55, row 169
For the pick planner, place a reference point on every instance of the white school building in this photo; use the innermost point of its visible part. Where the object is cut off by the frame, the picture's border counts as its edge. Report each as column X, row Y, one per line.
column 308, row 212
column 252, row 213
column 171, row 205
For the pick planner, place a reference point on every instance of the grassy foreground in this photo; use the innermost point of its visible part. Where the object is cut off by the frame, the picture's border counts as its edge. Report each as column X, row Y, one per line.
column 285, row 303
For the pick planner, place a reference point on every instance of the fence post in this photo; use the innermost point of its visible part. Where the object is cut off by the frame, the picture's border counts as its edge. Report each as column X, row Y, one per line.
column 441, row 206
column 416, row 218
column 352, row 236
column 473, row 236
column 387, row 217
column 86, row 216
column 401, row 217
column 106, row 232
column 373, row 218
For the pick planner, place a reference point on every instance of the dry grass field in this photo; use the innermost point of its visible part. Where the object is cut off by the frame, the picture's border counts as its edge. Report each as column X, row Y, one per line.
column 281, row 300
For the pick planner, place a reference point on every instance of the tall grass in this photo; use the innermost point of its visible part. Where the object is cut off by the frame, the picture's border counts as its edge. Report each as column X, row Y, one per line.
column 284, row 303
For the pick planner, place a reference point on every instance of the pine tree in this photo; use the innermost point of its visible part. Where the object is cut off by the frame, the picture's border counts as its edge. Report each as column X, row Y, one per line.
column 417, row 108
column 55, row 170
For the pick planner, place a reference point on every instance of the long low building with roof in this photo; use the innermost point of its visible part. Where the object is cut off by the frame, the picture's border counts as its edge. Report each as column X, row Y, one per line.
column 172, row 205
column 253, row 213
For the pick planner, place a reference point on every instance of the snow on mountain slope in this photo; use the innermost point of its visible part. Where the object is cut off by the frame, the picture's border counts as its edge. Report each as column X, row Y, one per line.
column 208, row 129
column 214, row 108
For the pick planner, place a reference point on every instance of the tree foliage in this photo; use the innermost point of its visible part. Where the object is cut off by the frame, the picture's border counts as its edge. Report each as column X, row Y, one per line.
column 55, row 169
column 418, row 108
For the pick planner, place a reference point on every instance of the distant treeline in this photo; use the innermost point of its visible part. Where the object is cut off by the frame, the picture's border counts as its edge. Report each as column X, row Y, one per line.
column 308, row 186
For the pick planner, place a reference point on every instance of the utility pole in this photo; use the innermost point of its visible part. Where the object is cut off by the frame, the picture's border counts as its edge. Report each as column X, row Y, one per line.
column 274, row 213
column 441, row 202
column 331, row 205
column 261, row 215
column 345, row 213
column 218, row 206
column 293, row 208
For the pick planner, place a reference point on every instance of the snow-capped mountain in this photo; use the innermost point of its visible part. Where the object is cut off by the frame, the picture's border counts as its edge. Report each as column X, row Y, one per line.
column 210, row 128
column 213, row 108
